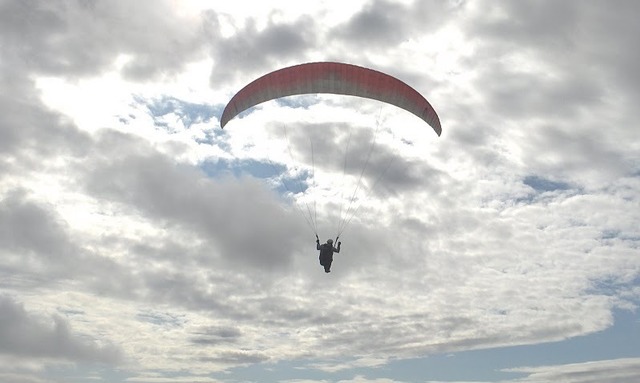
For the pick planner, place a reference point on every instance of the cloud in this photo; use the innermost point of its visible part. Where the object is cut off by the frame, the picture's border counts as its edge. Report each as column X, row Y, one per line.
column 517, row 226
column 82, row 37
column 29, row 228
column 235, row 358
column 187, row 112
column 363, row 154
column 40, row 249
column 31, row 131
column 36, row 244
column 378, row 23
column 250, row 50
column 381, row 23
column 542, row 69
column 614, row 371
column 216, row 335
column 25, row 335
column 235, row 216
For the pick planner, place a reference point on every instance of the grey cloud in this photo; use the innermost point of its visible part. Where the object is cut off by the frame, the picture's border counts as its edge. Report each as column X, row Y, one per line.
column 22, row 334
column 30, row 131
column 35, row 242
column 354, row 151
column 235, row 358
column 216, row 335
column 547, row 79
column 252, row 52
column 521, row 94
column 38, row 248
column 80, row 37
column 544, row 23
column 581, row 157
column 69, row 38
column 379, row 22
column 382, row 23
column 182, row 289
column 26, row 227
column 239, row 217
column 580, row 44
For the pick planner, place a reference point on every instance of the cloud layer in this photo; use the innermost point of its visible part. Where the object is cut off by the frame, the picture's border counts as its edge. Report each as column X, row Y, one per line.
column 140, row 242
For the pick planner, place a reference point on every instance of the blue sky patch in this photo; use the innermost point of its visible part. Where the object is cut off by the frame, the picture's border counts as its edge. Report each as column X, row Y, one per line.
column 188, row 112
column 214, row 136
column 239, row 168
column 265, row 170
column 541, row 185
column 161, row 319
column 297, row 102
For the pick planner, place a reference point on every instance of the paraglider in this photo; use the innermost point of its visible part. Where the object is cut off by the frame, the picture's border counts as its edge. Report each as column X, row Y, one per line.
column 332, row 78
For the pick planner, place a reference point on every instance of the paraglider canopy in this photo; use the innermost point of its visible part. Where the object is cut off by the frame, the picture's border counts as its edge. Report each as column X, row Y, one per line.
column 334, row 78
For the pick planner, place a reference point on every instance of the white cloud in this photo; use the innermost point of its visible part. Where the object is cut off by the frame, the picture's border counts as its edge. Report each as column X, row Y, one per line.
column 618, row 370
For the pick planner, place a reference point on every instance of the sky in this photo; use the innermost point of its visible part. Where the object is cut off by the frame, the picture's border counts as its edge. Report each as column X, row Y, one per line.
column 140, row 242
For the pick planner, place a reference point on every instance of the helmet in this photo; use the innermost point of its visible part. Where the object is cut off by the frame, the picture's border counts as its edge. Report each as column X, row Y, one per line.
column 329, row 241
